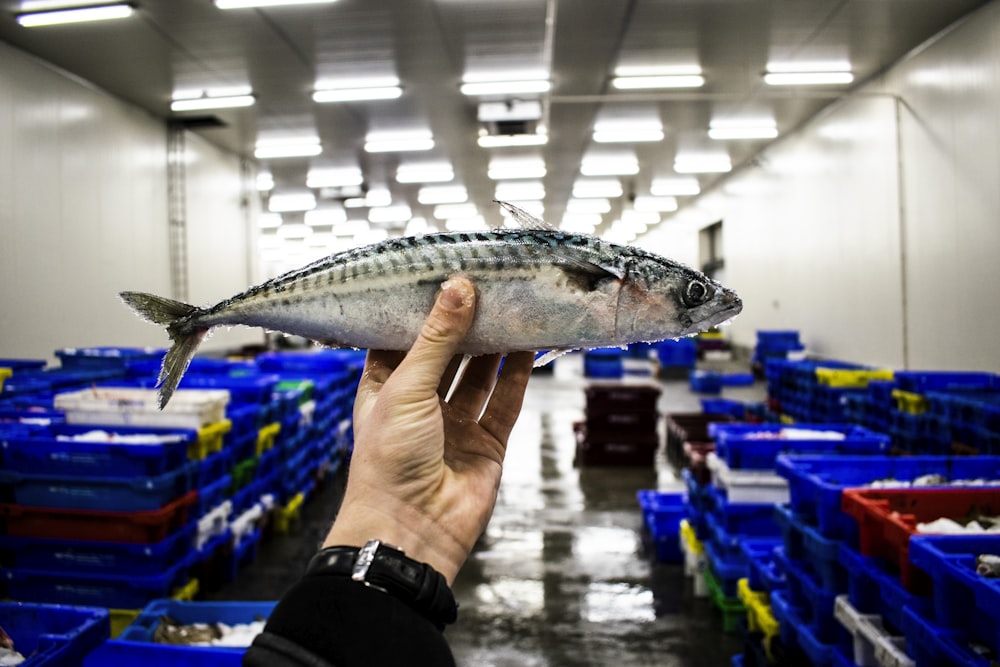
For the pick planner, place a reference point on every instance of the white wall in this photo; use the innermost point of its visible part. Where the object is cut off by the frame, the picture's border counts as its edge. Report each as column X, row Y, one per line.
column 83, row 215
column 82, row 212
column 875, row 229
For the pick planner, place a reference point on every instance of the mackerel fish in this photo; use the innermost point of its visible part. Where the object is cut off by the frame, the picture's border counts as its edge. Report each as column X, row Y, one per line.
column 537, row 289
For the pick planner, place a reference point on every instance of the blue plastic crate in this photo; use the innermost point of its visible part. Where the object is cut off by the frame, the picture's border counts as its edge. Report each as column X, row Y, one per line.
column 243, row 390
column 796, row 634
column 805, row 592
column 245, row 552
column 963, row 600
column 730, row 523
column 129, row 494
column 46, row 452
column 725, row 406
column 211, row 495
column 763, row 572
column 246, row 419
column 929, row 644
column 116, row 591
column 920, row 382
column 603, row 363
column 815, row 482
column 705, row 382
column 819, row 555
column 113, row 358
column 135, row 645
column 778, row 339
column 873, row 589
column 83, row 556
column 212, row 467
column 682, row 352
column 737, row 379
column 728, row 567
column 54, row 635
column 756, row 446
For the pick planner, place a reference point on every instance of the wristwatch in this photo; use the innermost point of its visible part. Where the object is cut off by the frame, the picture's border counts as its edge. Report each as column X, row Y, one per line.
column 388, row 569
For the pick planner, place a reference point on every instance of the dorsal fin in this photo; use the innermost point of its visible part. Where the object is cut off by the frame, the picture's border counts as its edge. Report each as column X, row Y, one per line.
column 524, row 219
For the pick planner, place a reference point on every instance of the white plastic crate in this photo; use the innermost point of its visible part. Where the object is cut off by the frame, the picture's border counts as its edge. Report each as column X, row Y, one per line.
column 188, row 408
column 748, row 486
column 214, row 523
column 873, row 645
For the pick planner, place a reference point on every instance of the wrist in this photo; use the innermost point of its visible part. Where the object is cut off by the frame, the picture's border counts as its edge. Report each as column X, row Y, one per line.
column 356, row 525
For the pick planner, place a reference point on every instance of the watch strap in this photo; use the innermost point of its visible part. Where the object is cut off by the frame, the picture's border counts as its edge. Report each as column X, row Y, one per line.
column 388, row 569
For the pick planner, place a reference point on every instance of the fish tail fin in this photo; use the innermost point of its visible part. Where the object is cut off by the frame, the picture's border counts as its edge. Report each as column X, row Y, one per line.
column 186, row 337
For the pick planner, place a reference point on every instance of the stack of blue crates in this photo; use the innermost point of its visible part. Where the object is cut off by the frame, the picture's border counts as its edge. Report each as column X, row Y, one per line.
column 662, row 514
column 775, row 345
column 821, row 560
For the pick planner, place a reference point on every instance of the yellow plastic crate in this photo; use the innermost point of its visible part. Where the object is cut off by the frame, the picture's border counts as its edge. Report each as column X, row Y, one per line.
column 835, row 377
column 693, row 544
column 210, row 440
column 906, row 401
column 121, row 619
column 187, row 592
column 759, row 616
column 4, row 374
column 289, row 514
column 266, row 437
column 786, row 420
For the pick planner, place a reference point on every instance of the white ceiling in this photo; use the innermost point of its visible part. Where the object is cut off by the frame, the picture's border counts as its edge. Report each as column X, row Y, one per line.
column 283, row 53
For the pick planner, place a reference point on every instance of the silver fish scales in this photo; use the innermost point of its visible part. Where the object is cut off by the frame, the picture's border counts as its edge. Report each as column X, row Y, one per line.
column 537, row 289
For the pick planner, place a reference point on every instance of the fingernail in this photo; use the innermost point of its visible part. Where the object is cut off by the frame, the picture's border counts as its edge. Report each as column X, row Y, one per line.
column 454, row 294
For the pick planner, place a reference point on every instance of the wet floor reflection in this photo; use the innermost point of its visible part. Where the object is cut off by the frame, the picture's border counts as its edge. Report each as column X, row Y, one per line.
column 561, row 576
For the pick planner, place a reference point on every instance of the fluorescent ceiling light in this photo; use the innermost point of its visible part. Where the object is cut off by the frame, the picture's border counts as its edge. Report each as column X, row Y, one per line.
column 425, row 172
column 519, row 190
column 645, row 203
column 657, row 70
column 609, row 166
column 286, row 203
column 446, row 211
column 702, row 164
column 305, row 147
column 506, row 87
column 581, row 221
column 532, row 207
column 586, row 188
column 357, row 93
column 417, row 225
column 398, row 213
column 201, row 103
column 672, row 187
column 240, row 4
column 269, row 220
column 634, row 217
column 105, row 12
column 294, row 231
column 514, row 168
column 334, row 177
column 510, row 110
column 471, row 224
column 505, row 140
column 329, row 215
column 442, row 194
column 595, row 205
column 391, row 142
column 379, row 196
column 808, row 73
column 628, row 135
column 265, row 181
column 350, row 228
column 645, row 82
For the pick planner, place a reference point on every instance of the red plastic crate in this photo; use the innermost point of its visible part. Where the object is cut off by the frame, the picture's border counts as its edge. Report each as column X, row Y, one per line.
column 135, row 527
column 887, row 518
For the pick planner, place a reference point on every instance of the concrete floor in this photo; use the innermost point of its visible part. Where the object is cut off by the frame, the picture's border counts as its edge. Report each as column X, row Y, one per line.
column 561, row 576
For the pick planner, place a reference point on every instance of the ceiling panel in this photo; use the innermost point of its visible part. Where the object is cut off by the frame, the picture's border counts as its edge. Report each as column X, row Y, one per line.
column 281, row 53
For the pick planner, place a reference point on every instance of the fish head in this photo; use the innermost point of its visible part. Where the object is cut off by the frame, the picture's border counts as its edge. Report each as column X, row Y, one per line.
column 663, row 299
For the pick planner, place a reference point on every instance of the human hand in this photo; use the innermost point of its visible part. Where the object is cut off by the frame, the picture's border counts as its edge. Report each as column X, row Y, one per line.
column 425, row 470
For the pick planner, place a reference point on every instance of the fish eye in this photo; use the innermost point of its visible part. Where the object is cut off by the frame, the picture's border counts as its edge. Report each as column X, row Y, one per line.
column 696, row 293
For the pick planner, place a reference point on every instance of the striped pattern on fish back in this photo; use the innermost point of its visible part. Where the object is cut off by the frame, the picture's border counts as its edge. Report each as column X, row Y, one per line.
column 411, row 258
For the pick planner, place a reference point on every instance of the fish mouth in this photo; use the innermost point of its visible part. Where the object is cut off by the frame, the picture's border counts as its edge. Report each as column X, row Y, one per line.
column 727, row 306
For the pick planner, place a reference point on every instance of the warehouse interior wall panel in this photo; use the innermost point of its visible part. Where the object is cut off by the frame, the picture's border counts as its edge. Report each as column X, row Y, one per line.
column 812, row 235
column 218, row 263
column 83, row 212
column 950, row 133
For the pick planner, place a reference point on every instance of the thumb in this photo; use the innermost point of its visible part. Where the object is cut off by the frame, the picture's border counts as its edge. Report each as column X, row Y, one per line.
column 443, row 331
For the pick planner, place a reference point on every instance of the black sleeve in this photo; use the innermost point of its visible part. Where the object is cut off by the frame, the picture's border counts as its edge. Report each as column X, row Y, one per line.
column 333, row 621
